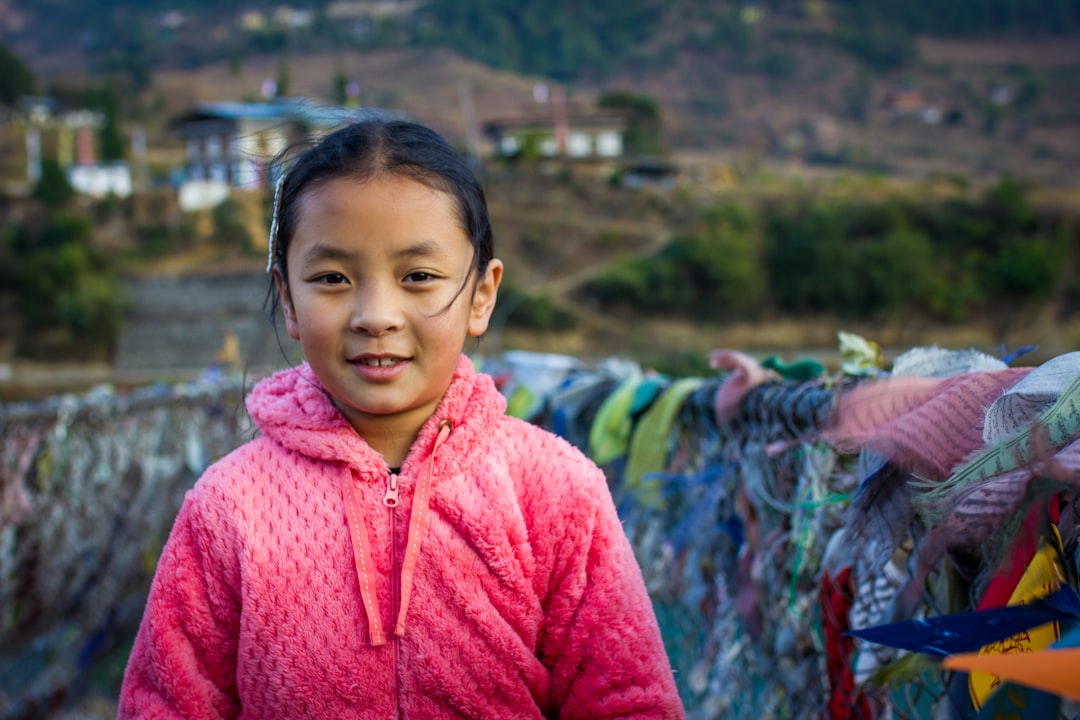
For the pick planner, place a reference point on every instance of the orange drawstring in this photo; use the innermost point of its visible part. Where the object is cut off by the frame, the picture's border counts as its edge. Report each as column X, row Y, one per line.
column 416, row 528
column 362, row 557
column 362, row 546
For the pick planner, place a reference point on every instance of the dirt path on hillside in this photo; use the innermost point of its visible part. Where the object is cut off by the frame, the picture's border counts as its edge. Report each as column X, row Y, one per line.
column 1048, row 52
column 556, row 248
column 570, row 280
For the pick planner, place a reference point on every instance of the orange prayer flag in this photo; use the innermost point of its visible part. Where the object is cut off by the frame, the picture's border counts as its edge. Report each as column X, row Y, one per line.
column 1054, row 670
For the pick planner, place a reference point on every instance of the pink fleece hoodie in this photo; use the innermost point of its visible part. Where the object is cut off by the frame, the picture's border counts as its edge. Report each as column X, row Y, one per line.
column 501, row 585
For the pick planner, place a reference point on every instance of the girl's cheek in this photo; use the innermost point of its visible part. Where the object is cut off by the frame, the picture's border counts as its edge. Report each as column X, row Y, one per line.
column 437, row 304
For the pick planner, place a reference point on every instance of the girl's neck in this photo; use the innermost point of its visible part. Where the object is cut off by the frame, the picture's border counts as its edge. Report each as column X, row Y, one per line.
column 390, row 438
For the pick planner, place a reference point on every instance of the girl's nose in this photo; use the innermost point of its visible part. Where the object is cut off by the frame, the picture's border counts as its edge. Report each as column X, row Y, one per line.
column 375, row 313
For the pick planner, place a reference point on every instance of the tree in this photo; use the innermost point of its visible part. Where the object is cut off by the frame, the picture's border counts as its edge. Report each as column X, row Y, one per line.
column 112, row 141
column 714, row 271
column 643, row 132
column 16, row 79
column 53, row 189
column 63, row 284
column 283, row 77
column 341, row 87
column 900, row 269
column 561, row 39
column 105, row 99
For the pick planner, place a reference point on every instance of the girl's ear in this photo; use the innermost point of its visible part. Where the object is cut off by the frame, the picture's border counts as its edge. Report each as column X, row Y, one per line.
column 287, row 309
column 483, row 299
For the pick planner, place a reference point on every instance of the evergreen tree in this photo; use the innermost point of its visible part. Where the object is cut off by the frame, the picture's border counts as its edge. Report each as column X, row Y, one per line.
column 283, row 77
column 16, row 79
column 53, row 188
column 106, row 100
column 341, row 87
column 643, row 132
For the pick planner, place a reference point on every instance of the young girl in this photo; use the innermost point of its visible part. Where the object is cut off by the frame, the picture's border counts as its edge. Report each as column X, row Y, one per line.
column 393, row 545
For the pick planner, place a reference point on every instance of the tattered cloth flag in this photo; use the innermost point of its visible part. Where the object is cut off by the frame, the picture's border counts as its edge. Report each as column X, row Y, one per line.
column 957, row 637
column 967, row 632
column 1053, row 669
column 984, row 501
column 923, row 425
column 835, row 596
column 1043, row 573
column 1021, row 404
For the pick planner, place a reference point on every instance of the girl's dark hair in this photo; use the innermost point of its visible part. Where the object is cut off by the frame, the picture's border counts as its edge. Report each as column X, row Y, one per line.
column 366, row 149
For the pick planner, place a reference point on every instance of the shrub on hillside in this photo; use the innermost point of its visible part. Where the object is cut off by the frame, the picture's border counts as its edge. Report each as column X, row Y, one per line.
column 859, row 259
column 16, row 78
column 713, row 271
column 52, row 188
column 230, row 230
column 70, row 300
column 533, row 311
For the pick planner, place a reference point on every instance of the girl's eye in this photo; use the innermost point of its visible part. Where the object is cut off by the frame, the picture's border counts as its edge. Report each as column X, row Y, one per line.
column 331, row 279
column 419, row 276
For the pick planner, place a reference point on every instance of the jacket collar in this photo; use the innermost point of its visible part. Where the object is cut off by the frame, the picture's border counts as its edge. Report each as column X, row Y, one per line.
column 292, row 408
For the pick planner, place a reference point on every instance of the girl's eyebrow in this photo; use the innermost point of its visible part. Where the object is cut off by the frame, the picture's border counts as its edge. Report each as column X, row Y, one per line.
column 319, row 251
column 422, row 248
column 419, row 249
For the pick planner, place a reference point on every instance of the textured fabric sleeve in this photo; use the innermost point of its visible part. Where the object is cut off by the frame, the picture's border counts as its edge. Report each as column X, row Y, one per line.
column 183, row 662
column 602, row 641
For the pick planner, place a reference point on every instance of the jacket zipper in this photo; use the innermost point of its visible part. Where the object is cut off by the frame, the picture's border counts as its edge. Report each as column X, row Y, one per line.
column 390, row 500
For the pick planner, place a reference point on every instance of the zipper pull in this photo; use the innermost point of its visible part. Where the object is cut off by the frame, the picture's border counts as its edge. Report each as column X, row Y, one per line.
column 390, row 499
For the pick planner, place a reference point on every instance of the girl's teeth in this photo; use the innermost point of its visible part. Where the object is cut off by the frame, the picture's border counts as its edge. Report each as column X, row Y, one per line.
column 379, row 362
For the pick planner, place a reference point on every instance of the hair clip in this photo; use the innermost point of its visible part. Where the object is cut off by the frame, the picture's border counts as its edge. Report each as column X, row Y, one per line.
column 272, row 243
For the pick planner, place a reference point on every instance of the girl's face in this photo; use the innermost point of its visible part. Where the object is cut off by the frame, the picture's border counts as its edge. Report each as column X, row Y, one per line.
column 380, row 295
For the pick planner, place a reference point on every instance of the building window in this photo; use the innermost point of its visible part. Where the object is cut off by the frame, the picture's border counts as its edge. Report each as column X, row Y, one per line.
column 579, row 145
column 213, row 148
column 509, row 145
column 609, row 144
column 247, row 174
column 193, row 149
column 547, row 147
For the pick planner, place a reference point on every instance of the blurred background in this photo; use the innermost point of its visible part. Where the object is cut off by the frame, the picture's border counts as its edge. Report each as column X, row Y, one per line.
column 665, row 177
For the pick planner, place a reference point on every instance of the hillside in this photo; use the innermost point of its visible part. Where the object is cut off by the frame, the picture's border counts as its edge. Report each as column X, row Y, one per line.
column 977, row 89
column 752, row 105
column 716, row 118
column 558, row 231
